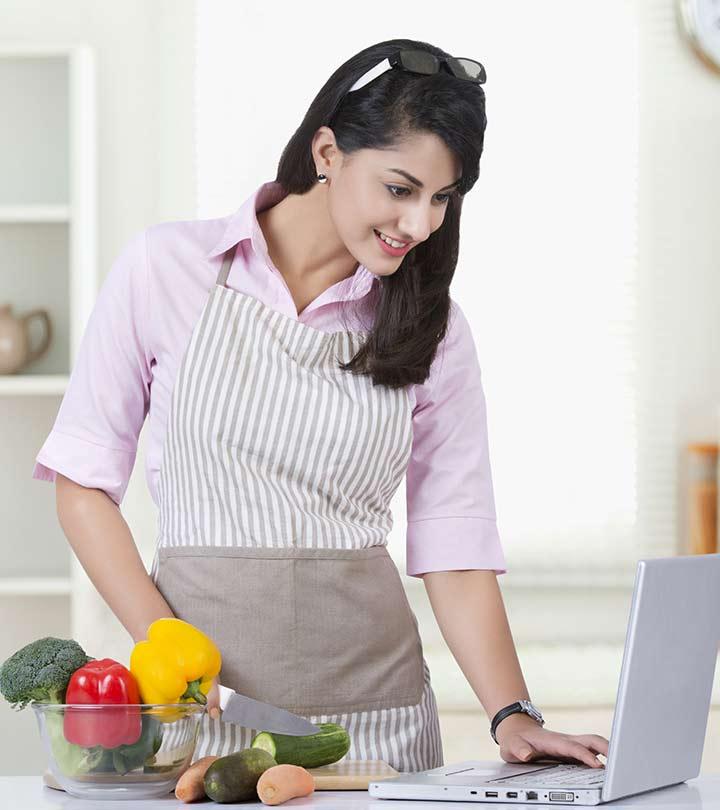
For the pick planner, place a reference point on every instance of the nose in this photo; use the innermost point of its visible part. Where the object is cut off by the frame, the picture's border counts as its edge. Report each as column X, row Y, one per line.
column 416, row 224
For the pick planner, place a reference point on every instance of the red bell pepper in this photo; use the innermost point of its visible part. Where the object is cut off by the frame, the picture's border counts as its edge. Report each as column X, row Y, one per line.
column 103, row 681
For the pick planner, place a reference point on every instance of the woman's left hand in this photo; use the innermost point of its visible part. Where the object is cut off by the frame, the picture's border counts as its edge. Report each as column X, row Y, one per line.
column 524, row 740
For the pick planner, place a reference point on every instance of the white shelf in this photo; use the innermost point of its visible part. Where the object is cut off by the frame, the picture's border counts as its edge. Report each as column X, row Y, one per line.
column 10, row 214
column 48, row 164
column 33, row 384
column 42, row 50
column 35, row 586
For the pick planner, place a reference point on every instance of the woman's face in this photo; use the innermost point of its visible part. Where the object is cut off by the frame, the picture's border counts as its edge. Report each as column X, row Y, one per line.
column 368, row 194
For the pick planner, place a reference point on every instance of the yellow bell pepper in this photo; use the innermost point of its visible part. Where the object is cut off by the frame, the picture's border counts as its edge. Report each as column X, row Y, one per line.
column 175, row 664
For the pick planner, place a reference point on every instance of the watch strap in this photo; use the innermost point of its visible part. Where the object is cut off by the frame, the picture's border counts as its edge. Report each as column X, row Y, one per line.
column 522, row 706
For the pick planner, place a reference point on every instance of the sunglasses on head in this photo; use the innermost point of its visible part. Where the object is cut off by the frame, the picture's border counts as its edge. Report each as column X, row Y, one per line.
column 426, row 63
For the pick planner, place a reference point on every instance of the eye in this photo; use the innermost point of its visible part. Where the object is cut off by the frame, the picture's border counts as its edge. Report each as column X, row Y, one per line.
column 392, row 189
column 446, row 197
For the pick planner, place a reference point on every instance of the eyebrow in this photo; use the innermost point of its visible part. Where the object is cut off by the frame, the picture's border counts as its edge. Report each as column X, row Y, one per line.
column 417, row 182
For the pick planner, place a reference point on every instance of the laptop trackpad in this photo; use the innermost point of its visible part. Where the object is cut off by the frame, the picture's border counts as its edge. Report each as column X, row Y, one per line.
column 487, row 770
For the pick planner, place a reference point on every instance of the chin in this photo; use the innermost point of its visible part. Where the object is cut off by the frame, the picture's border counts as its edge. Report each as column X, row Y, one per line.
column 381, row 271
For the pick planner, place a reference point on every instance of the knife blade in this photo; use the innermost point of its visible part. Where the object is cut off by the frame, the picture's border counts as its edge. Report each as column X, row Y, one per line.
column 251, row 713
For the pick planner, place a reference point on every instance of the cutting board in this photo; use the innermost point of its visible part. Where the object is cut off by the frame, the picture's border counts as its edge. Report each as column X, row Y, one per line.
column 351, row 774
column 348, row 774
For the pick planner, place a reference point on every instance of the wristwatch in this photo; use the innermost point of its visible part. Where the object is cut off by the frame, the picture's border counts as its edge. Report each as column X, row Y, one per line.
column 524, row 706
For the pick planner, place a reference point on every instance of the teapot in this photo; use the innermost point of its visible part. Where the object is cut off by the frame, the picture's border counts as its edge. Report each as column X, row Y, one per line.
column 15, row 350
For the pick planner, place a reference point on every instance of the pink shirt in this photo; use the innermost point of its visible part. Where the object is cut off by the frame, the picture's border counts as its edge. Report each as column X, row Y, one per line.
column 138, row 332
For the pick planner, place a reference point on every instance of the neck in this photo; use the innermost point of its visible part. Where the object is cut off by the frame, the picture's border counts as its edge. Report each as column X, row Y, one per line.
column 302, row 241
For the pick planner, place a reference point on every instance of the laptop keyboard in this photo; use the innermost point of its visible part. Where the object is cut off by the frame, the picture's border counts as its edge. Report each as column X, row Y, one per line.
column 562, row 775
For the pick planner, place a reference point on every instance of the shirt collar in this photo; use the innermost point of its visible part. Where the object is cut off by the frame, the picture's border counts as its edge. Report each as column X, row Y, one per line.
column 243, row 224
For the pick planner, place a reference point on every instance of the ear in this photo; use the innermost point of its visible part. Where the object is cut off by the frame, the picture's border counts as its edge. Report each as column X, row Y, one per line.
column 325, row 151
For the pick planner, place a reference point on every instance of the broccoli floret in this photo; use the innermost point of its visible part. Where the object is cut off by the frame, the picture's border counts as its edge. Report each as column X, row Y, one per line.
column 41, row 671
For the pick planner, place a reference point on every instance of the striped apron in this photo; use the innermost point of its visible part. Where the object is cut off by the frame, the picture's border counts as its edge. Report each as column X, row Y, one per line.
column 277, row 474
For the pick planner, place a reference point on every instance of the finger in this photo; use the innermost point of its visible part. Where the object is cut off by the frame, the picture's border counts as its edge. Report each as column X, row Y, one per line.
column 565, row 747
column 214, row 711
column 594, row 742
column 510, row 754
column 522, row 751
column 581, row 753
column 213, row 701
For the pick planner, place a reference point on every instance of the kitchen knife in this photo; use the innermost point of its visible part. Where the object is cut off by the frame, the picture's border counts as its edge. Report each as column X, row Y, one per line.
column 255, row 714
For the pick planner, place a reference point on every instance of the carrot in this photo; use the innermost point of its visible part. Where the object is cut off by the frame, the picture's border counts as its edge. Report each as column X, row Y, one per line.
column 190, row 786
column 282, row 782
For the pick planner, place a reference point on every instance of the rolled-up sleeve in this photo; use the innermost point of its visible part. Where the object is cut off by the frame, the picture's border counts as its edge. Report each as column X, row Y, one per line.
column 451, row 518
column 95, row 435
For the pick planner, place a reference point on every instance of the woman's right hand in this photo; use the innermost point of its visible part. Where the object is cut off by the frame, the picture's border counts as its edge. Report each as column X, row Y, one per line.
column 213, row 700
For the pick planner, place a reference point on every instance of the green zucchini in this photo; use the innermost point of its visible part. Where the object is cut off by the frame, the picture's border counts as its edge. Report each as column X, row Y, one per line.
column 329, row 745
column 234, row 778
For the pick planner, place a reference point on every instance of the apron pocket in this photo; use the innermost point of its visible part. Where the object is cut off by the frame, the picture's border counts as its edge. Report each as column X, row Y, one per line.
column 314, row 631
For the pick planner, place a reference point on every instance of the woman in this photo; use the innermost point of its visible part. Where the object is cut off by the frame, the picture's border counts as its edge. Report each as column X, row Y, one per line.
column 297, row 359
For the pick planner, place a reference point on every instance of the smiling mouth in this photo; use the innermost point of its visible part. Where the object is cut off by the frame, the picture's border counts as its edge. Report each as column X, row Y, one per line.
column 402, row 246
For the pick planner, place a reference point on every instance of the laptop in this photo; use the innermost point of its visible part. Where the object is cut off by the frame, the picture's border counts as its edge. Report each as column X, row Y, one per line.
column 661, row 711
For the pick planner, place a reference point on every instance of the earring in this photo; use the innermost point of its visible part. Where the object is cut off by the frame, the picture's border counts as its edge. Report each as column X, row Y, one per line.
column 322, row 178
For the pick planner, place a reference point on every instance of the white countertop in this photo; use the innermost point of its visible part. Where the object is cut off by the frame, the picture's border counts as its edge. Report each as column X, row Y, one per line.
column 29, row 793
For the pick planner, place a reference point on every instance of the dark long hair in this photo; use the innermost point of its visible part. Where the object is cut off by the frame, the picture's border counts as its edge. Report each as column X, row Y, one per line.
column 412, row 305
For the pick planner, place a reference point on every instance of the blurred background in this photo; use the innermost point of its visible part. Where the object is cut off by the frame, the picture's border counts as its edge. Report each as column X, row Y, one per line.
column 588, row 270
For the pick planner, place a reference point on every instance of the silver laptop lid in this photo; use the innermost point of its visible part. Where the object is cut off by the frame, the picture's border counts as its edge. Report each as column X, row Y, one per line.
column 663, row 699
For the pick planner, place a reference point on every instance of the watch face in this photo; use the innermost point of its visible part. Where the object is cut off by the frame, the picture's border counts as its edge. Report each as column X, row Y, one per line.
column 531, row 710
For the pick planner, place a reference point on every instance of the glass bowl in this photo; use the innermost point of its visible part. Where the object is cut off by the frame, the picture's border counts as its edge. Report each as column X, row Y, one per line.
column 103, row 751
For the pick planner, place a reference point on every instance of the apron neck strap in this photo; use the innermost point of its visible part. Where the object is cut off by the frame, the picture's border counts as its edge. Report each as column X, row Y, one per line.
column 225, row 269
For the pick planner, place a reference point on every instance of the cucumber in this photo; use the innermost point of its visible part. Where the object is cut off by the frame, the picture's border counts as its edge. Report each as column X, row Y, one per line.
column 329, row 745
column 234, row 778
